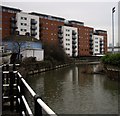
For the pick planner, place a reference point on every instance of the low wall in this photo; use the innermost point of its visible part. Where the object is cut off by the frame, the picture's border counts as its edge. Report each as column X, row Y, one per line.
column 113, row 73
column 47, row 69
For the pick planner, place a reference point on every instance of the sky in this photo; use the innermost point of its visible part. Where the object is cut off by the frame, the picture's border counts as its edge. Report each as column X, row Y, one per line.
column 95, row 13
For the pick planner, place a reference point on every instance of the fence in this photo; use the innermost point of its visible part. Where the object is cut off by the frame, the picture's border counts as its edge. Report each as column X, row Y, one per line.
column 13, row 90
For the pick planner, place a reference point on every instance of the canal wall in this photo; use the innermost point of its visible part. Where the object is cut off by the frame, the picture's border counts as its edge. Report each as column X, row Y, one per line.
column 113, row 72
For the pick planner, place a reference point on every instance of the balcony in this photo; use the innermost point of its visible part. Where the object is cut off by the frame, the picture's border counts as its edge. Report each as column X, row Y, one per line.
column 91, row 39
column 74, row 42
column 61, row 41
column 13, row 19
column 74, row 51
column 60, row 31
column 60, row 36
column 33, row 33
column 74, row 37
column 33, row 21
column 73, row 32
column 91, row 44
column 74, row 46
column 91, row 47
column 33, row 27
column 91, row 52
column 14, row 26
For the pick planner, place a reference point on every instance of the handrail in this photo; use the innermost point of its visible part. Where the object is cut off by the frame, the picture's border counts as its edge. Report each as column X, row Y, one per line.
column 21, row 84
column 45, row 107
column 28, row 87
column 41, row 103
column 27, row 106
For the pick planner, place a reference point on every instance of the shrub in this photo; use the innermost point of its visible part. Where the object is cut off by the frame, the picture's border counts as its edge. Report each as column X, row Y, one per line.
column 111, row 59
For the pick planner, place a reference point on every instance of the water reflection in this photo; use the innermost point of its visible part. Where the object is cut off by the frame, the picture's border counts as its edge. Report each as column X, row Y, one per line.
column 68, row 91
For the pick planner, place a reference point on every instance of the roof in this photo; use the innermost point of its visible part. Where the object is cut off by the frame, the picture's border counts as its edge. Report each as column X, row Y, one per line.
column 6, row 7
column 101, row 31
column 44, row 15
column 74, row 21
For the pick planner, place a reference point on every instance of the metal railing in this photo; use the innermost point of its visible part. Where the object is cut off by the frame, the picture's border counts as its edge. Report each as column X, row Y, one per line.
column 17, row 84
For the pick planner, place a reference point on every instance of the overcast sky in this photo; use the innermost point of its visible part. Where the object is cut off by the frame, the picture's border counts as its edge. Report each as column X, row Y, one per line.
column 93, row 14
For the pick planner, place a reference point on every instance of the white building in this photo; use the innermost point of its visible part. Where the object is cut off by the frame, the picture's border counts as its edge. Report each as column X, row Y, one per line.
column 98, row 45
column 69, row 40
column 38, row 53
column 27, row 24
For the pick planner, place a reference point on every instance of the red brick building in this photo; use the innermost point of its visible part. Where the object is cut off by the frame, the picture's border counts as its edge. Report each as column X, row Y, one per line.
column 49, row 28
column 8, row 21
column 84, row 38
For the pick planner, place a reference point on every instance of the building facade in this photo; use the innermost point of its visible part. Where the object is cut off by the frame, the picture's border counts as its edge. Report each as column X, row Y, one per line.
column 9, row 21
column 47, row 29
column 68, row 38
column 85, row 46
column 27, row 24
column 98, row 45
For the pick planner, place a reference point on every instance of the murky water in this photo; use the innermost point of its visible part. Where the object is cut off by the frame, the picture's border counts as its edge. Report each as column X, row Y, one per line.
column 69, row 91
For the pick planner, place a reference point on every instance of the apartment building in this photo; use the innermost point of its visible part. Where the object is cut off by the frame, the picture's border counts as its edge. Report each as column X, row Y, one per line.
column 68, row 38
column 104, row 41
column 27, row 24
column 98, row 45
column 9, row 21
column 85, row 45
column 49, row 28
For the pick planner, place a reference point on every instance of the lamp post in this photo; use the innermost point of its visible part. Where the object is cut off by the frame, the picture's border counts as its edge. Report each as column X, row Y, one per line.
column 113, row 10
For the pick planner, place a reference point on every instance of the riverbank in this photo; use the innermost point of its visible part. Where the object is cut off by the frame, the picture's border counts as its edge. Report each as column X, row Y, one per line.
column 30, row 67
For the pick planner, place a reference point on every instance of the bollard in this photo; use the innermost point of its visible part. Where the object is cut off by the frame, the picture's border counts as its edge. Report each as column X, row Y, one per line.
column 37, row 107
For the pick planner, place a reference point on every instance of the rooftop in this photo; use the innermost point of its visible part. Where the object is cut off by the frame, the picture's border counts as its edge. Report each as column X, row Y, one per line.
column 10, row 8
column 47, row 16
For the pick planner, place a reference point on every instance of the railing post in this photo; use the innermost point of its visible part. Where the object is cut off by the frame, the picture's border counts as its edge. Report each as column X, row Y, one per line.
column 7, row 69
column 12, row 80
column 17, row 94
column 37, row 107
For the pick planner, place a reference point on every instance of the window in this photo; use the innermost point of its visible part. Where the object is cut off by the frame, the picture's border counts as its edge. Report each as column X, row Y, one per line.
column 96, row 38
column 21, row 29
column 96, row 45
column 96, row 49
column 25, row 18
column 21, row 23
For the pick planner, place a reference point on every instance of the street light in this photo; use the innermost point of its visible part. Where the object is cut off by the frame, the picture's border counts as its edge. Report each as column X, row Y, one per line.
column 113, row 10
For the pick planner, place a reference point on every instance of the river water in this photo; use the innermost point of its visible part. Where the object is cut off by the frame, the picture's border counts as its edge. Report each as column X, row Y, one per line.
column 69, row 91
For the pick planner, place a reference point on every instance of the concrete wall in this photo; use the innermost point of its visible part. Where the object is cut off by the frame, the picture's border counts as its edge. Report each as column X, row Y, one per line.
column 38, row 53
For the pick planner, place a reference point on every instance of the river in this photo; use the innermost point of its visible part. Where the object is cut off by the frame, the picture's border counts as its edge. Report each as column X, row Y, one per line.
column 69, row 91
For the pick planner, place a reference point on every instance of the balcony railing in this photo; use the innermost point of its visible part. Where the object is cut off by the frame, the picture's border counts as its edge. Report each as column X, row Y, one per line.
column 33, row 21
column 60, row 36
column 74, row 37
column 13, row 19
column 74, row 46
column 60, row 31
column 91, row 39
column 33, row 33
column 91, row 44
column 74, row 42
column 73, row 32
column 14, row 26
column 33, row 27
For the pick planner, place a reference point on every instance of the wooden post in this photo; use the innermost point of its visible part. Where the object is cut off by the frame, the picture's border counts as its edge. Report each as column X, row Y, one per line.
column 37, row 107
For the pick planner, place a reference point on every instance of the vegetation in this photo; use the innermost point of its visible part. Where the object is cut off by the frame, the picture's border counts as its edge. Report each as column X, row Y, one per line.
column 111, row 59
